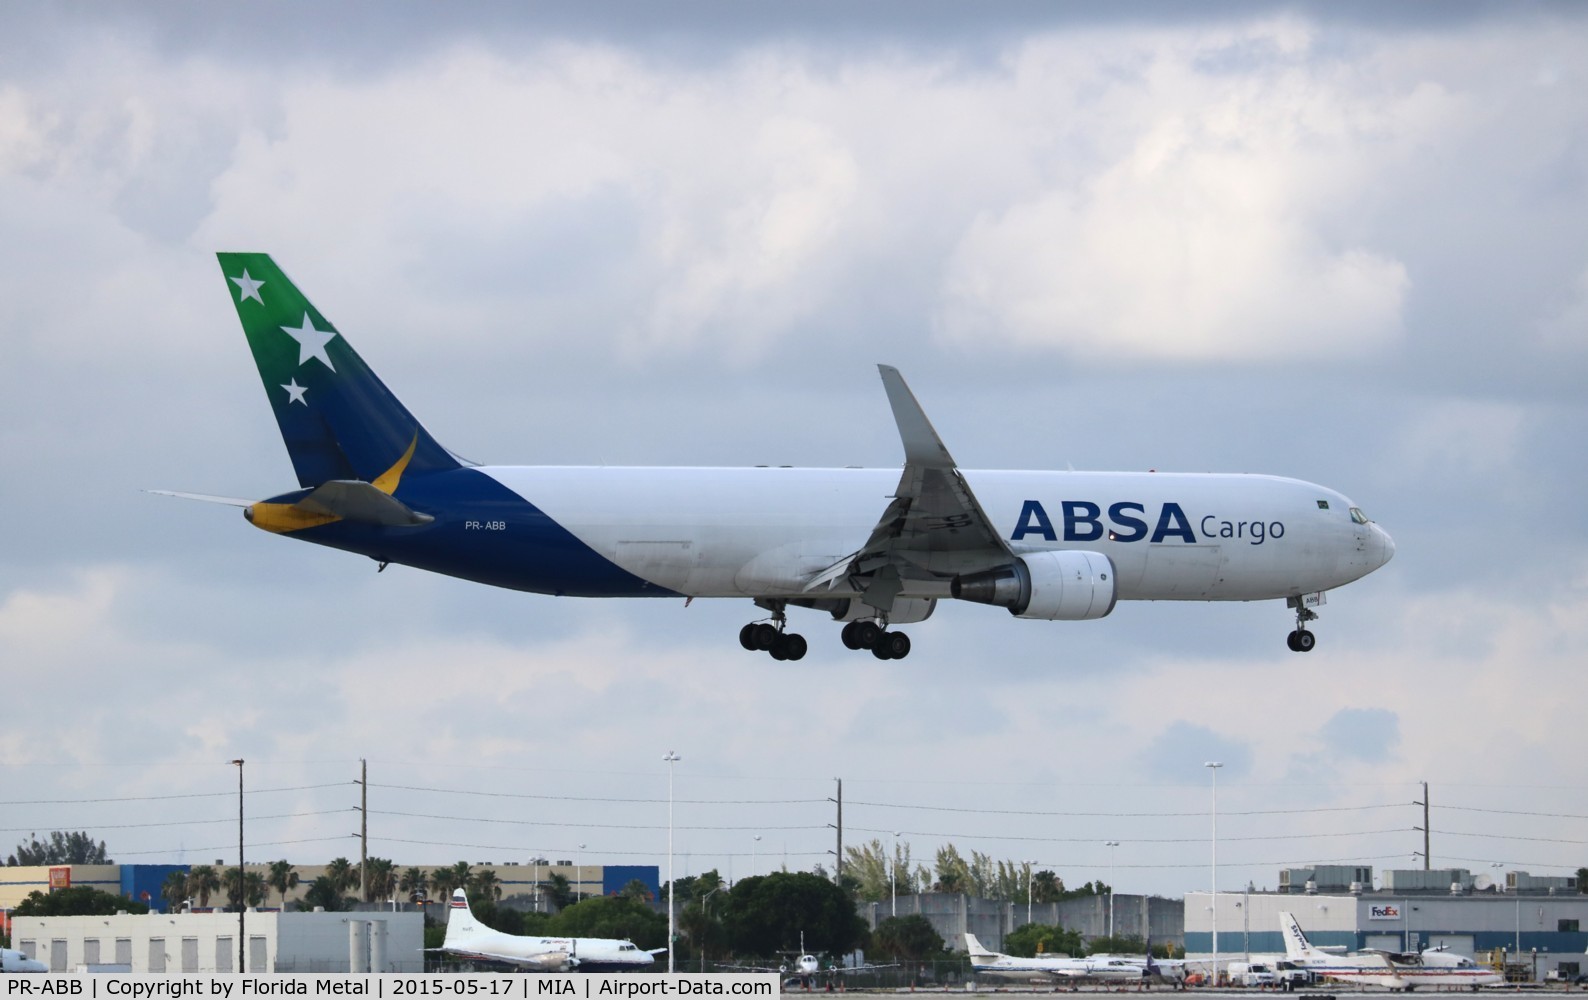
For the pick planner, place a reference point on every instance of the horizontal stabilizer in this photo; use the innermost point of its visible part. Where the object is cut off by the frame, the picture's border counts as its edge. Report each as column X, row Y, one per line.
column 229, row 501
column 355, row 500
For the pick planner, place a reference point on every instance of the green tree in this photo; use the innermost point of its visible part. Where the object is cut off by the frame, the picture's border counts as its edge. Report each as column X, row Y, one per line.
column 1046, row 887
column 243, row 888
column 1040, row 939
column 323, row 892
column 766, row 914
column 414, row 883
column 60, row 849
column 635, row 889
column 613, row 917
column 485, row 884
column 953, row 874
column 342, row 874
column 444, row 880
column 174, row 891
column 379, row 875
column 880, row 876
column 1582, row 880
column 202, row 883
column 907, row 939
column 76, row 901
column 560, row 893
column 283, row 878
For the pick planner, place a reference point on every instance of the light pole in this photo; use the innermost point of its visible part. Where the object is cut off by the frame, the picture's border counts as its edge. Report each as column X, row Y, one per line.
column 893, row 872
column 1111, row 844
column 706, row 914
column 1213, row 868
column 755, row 854
column 671, row 758
column 242, row 886
column 578, row 893
column 1028, row 865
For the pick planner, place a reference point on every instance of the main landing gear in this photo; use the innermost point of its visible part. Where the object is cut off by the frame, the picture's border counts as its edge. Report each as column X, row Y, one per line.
column 773, row 639
column 883, row 643
column 1302, row 640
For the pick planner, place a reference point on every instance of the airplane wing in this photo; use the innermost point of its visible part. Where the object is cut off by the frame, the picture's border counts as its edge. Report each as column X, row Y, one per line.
column 546, row 961
column 933, row 529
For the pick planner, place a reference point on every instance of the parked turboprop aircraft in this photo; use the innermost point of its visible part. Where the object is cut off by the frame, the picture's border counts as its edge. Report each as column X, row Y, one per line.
column 468, row 938
column 870, row 547
column 1109, row 968
column 12, row 960
column 1396, row 970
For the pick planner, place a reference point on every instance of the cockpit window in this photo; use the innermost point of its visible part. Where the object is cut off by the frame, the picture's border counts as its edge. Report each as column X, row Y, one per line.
column 1323, row 505
column 1358, row 516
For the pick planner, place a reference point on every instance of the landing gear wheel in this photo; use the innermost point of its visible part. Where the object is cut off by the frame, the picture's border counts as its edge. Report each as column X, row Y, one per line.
column 747, row 637
column 897, row 643
column 881, row 651
column 765, row 635
column 1301, row 641
column 793, row 646
column 848, row 635
column 779, row 649
column 867, row 634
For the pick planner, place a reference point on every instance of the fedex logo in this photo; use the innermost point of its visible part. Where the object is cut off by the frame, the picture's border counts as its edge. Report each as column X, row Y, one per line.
column 1387, row 912
column 1127, row 521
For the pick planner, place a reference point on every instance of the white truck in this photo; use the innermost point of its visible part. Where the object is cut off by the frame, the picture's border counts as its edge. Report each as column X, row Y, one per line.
column 1251, row 974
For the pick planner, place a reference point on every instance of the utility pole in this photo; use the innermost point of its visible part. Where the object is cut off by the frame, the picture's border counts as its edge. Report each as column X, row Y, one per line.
column 1427, row 862
column 363, row 829
column 242, row 882
column 838, row 871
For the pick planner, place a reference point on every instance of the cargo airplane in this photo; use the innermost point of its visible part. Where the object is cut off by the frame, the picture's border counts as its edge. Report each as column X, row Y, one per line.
column 468, row 938
column 1395, row 970
column 872, row 548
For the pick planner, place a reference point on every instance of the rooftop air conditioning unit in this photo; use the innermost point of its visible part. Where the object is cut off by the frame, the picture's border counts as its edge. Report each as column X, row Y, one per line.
column 1312, row 887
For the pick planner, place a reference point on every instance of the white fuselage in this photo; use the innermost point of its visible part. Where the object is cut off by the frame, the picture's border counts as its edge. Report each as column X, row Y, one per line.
column 765, row 532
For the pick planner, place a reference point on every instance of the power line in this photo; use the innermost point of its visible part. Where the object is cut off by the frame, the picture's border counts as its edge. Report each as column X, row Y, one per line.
column 586, row 798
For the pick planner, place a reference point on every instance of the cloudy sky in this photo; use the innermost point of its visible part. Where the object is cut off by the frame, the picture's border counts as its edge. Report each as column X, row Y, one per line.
column 1328, row 242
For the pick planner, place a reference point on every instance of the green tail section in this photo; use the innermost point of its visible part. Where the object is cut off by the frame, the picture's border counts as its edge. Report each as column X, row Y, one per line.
column 338, row 420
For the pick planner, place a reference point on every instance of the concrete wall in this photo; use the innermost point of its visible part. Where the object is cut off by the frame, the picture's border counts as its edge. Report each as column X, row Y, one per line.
column 953, row 914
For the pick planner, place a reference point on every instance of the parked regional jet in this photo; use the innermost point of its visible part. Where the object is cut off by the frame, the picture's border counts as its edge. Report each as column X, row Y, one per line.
column 870, row 547
column 1105, row 968
column 1395, row 970
column 468, row 938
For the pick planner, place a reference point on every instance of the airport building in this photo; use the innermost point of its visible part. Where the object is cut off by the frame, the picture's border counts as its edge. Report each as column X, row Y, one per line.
column 163, row 943
column 524, row 883
column 1531, row 924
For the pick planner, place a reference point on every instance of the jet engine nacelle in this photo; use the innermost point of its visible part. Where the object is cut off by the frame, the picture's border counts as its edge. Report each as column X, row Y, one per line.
column 1056, row 585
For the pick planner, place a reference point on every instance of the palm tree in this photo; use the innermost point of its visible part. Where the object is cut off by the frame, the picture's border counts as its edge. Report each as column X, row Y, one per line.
column 202, row 882
column 444, row 880
column 244, row 888
column 283, row 878
column 1046, row 886
column 485, row 884
column 412, row 882
column 342, row 874
column 380, row 877
column 174, row 891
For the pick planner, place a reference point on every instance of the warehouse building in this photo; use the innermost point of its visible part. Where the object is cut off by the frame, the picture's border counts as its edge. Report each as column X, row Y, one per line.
column 1522, row 921
column 207, row 942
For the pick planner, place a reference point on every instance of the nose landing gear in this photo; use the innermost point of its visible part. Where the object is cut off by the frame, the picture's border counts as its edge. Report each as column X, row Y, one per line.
column 1302, row 640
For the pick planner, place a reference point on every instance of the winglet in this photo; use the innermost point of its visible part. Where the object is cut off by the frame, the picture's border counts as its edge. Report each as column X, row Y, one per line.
column 922, row 446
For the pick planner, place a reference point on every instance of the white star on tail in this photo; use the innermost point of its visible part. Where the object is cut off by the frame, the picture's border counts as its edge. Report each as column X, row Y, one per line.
column 248, row 288
column 311, row 342
column 295, row 393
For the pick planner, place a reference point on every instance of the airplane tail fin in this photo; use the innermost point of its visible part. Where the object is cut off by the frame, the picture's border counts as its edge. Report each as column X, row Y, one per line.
column 976, row 949
column 1296, row 943
column 338, row 420
column 461, row 924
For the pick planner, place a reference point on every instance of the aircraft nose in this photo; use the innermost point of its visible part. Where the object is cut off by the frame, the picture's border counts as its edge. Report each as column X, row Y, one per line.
column 1386, row 545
